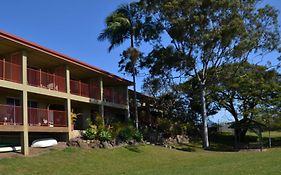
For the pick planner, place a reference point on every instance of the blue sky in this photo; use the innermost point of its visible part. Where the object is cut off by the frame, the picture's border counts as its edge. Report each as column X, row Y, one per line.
column 72, row 27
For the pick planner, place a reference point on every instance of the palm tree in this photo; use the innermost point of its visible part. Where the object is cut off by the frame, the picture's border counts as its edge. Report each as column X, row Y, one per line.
column 122, row 25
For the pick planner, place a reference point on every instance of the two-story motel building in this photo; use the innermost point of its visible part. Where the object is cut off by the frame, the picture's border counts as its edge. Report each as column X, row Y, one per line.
column 39, row 88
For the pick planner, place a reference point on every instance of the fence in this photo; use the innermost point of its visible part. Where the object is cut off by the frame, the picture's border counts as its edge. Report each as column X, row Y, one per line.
column 45, row 117
column 46, row 80
column 10, row 71
column 10, row 115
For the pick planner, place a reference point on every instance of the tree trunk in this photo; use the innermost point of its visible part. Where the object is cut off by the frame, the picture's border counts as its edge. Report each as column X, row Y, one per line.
column 135, row 101
column 204, row 117
column 134, row 81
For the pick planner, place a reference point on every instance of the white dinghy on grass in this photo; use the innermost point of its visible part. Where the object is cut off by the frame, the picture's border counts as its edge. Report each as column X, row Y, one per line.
column 44, row 143
column 10, row 149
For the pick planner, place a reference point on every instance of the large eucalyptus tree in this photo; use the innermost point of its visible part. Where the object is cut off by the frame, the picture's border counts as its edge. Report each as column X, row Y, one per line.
column 204, row 34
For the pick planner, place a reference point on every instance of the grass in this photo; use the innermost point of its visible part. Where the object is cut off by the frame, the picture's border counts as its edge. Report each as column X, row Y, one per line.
column 144, row 160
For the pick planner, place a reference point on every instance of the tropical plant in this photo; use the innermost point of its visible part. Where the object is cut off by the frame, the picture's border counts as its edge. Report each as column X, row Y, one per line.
column 126, row 134
column 104, row 135
column 73, row 117
column 123, row 24
column 138, row 136
column 91, row 132
column 99, row 122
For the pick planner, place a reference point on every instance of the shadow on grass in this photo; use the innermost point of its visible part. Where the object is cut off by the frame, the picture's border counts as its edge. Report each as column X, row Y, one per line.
column 186, row 149
column 133, row 148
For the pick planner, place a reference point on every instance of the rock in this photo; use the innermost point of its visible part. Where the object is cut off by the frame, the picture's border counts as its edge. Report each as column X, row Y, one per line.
column 106, row 145
column 182, row 139
column 73, row 142
column 113, row 142
column 95, row 144
column 83, row 144
column 131, row 142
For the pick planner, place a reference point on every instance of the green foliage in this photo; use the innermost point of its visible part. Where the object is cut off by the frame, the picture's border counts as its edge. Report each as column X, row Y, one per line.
column 91, row 132
column 165, row 126
column 179, row 128
column 126, row 134
column 73, row 117
column 117, row 127
column 205, row 35
column 138, row 136
column 104, row 135
column 88, row 122
column 99, row 121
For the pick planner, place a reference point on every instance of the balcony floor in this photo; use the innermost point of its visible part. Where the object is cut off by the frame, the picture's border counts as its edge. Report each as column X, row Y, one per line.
column 11, row 128
column 47, row 129
column 19, row 128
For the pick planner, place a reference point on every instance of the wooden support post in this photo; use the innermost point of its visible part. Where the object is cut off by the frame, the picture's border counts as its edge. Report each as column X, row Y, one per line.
column 4, row 69
column 25, row 144
column 68, row 101
column 101, row 107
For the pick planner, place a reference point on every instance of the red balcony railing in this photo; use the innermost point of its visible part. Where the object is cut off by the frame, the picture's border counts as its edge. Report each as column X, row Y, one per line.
column 83, row 89
column 45, row 117
column 10, row 115
column 46, row 80
column 114, row 95
column 10, row 71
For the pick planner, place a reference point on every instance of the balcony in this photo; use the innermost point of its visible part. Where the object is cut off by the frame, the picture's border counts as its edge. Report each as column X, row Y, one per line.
column 10, row 71
column 45, row 117
column 90, row 90
column 45, row 80
column 114, row 95
column 10, row 115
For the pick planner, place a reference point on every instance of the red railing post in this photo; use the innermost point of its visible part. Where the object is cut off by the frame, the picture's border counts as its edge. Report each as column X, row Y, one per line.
column 54, row 82
column 80, row 91
column 40, row 78
column 4, row 71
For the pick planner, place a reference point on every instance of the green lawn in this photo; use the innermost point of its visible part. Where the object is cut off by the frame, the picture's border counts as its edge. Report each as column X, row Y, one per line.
column 145, row 160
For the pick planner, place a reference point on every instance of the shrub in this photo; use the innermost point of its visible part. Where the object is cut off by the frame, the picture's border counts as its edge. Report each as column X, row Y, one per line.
column 117, row 127
column 165, row 126
column 126, row 134
column 91, row 132
column 105, row 135
column 179, row 129
column 88, row 122
column 99, row 121
column 138, row 136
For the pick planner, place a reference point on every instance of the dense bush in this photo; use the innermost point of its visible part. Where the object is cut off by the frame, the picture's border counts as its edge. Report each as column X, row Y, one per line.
column 91, row 132
column 104, row 135
column 129, row 132
column 126, row 134
column 138, row 136
column 165, row 126
column 123, row 131
column 99, row 121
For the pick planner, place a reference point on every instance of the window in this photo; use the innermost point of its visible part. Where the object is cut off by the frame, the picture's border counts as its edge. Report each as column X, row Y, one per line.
column 32, row 104
column 13, row 101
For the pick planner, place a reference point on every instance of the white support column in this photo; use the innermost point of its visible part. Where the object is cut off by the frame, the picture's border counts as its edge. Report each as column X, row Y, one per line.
column 68, row 113
column 68, row 101
column 67, row 79
column 24, row 145
column 101, row 107
column 24, row 68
